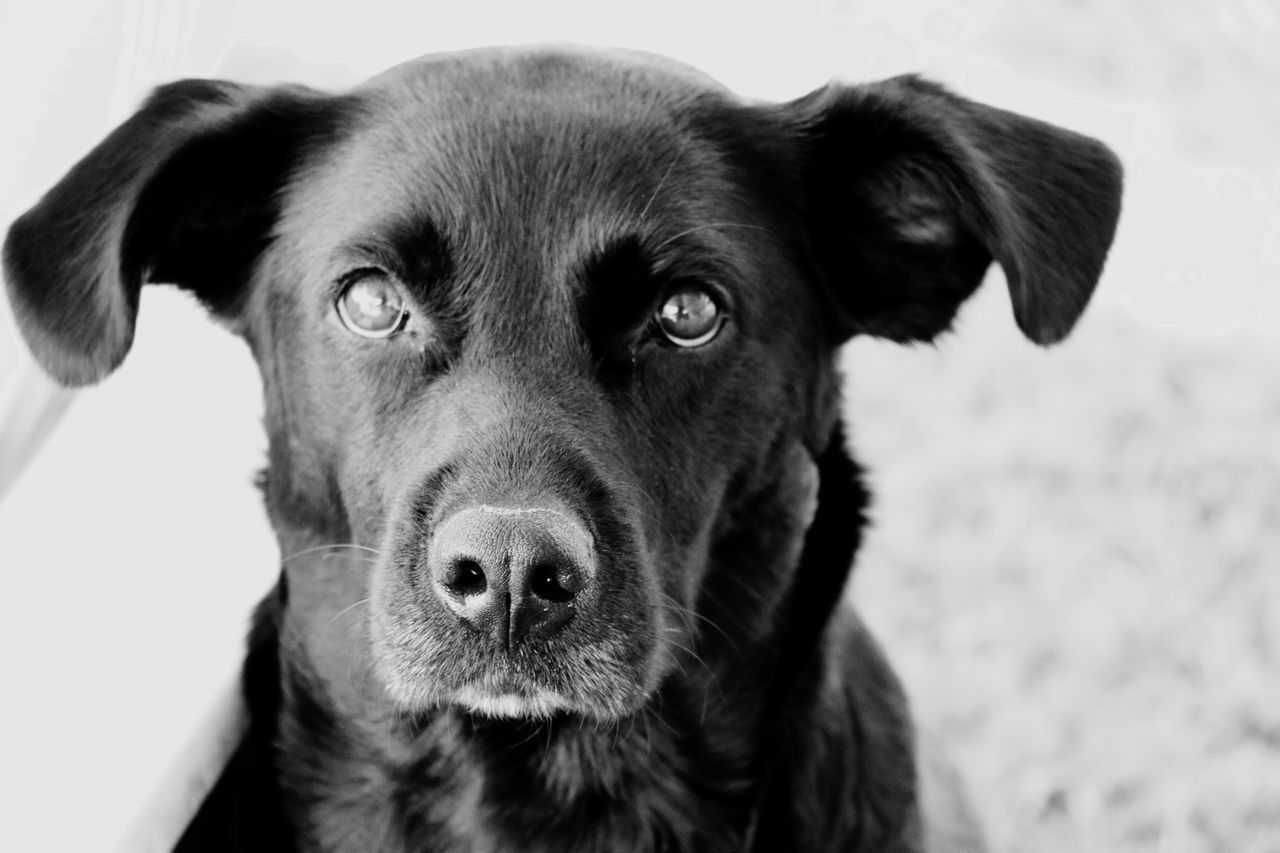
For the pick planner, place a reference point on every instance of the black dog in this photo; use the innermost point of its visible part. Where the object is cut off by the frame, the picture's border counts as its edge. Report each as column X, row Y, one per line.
column 548, row 344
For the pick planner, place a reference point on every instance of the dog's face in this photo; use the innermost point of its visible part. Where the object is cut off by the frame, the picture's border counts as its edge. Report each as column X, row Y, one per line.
column 542, row 328
column 583, row 331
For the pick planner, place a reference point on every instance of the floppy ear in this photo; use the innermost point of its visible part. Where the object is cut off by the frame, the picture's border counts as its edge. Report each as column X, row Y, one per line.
column 910, row 192
column 183, row 192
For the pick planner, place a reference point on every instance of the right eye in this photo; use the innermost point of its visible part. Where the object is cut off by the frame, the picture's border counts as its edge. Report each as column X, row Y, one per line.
column 372, row 305
column 690, row 317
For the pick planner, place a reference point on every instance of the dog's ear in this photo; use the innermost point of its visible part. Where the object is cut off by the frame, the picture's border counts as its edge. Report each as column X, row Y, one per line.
column 184, row 192
column 910, row 192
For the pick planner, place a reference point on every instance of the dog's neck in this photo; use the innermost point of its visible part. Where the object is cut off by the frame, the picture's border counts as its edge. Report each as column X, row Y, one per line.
column 694, row 769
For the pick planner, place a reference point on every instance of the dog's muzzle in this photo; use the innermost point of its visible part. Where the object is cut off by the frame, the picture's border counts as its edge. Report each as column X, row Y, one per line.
column 516, row 583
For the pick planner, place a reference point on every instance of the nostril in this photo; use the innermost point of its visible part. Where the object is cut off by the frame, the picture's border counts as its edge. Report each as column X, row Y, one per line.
column 515, row 574
column 554, row 583
column 464, row 577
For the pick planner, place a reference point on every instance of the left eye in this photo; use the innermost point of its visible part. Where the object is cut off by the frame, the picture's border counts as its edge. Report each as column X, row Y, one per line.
column 690, row 317
column 372, row 305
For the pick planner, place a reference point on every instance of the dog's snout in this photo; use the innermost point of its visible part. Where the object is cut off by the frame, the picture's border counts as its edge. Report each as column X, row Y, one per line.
column 515, row 574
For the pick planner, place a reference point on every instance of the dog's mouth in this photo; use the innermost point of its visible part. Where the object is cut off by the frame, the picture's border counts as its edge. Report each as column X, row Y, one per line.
column 511, row 702
column 425, row 666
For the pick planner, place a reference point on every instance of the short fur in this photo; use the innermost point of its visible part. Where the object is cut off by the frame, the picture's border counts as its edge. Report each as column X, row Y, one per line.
column 710, row 691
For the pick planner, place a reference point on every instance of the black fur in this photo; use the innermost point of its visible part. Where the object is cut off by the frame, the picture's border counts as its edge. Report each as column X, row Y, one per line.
column 705, row 688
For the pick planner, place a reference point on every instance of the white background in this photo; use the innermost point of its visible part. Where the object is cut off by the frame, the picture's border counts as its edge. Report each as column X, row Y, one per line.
column 133, row 546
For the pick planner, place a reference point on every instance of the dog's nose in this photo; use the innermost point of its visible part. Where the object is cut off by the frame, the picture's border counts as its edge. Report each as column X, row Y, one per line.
column 512, row 573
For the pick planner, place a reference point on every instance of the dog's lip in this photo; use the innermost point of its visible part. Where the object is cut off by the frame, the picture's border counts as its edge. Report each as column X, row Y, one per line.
column 524, row 702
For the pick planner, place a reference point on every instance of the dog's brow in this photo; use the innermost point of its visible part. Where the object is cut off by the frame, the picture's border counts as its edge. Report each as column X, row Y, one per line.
column 414, row 250
column 365, row 251
column 420, row 242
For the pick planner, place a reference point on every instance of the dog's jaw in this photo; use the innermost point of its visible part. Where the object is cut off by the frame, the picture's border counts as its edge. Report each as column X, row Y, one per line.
column 415, row 670
column 540, row 705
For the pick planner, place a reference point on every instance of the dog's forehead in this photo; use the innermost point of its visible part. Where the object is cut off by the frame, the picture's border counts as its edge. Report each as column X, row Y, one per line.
column 564, row 70
column 506, row 144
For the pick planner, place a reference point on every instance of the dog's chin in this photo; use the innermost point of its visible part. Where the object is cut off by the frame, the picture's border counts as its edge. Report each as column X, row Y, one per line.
column 602, row 682
column 513, row 700
column 538, row 704
column 526, row 705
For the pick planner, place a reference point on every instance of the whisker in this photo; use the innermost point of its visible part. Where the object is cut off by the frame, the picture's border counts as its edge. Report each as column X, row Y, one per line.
column 671, row 537
column 686, row 614
column 348, row 609
column 533, row 733
column 704, row 227
column 367, row 561
column 662, row 182
column 681, row 612
column 694, row 655
column 331, row 547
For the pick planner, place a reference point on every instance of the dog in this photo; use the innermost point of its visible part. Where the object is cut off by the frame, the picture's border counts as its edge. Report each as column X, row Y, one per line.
column 548, row 344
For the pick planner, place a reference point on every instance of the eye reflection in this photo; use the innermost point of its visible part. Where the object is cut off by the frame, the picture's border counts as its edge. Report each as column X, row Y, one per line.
column 690, row 317
column 372, row 306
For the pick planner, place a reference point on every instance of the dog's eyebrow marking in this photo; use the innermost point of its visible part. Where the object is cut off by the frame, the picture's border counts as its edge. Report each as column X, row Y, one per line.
column 413, row 250
column 365, row 249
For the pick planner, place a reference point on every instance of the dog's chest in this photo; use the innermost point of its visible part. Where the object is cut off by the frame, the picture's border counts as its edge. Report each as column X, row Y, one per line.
column 381, row 813
column 568, row 795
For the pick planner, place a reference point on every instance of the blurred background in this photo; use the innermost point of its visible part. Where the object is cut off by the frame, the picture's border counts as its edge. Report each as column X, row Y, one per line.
column 1075, row 561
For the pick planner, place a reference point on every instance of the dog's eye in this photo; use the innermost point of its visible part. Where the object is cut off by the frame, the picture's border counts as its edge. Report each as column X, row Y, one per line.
column 690, row 317
column 372, row 306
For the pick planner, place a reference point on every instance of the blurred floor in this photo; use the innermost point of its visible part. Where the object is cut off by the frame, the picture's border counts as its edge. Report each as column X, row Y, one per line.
column 1076, row 561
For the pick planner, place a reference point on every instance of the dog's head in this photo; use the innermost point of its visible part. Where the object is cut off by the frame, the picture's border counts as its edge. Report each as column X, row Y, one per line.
column 553, row 331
